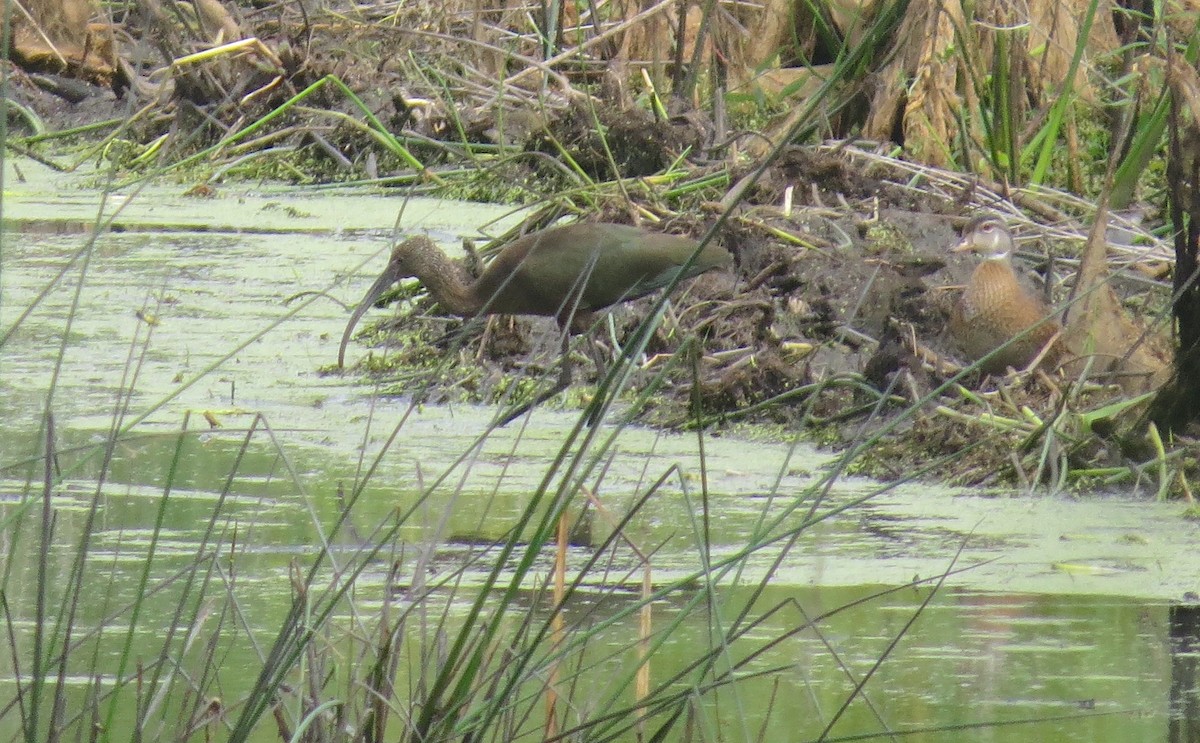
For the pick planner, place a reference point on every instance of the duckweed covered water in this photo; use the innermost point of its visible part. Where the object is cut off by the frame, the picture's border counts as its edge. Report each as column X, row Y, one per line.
column 1056, row 611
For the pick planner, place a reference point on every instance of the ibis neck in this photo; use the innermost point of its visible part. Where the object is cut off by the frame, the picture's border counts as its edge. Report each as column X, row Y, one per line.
column 447, row 283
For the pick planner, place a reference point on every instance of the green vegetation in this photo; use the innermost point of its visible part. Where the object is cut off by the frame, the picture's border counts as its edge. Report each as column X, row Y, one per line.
column 385, row 632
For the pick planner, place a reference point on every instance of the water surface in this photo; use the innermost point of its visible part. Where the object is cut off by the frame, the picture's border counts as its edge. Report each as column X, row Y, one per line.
column 1050, row 608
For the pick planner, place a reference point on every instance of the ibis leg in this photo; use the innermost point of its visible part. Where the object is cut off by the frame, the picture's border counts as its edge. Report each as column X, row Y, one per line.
column 563, row 382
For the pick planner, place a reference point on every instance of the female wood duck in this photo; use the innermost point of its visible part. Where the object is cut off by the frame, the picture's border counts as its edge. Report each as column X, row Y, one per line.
column 995, row 308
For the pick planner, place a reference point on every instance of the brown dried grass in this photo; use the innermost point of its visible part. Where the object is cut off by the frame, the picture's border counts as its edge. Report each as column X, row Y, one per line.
column 1102, row 334
column 57, row 36
column 941, row 56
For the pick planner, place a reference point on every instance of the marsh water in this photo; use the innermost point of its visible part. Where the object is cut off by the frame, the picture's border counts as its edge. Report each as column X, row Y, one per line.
column 1051, row 617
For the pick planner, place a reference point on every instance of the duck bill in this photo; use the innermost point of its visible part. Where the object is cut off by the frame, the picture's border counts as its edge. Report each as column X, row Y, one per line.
column 964, row 246
column 385, row 280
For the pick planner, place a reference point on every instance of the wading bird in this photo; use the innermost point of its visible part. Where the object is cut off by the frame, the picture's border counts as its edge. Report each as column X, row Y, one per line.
column 562, row 272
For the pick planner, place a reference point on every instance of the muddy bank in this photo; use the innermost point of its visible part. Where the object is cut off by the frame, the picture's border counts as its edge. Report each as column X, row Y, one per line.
column 833, row 322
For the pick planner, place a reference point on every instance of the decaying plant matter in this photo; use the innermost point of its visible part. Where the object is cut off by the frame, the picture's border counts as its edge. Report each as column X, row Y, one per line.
column 1178, row 404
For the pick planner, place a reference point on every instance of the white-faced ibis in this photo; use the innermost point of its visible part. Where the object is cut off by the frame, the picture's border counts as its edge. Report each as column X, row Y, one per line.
column 562, row 272
column 995, row 308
